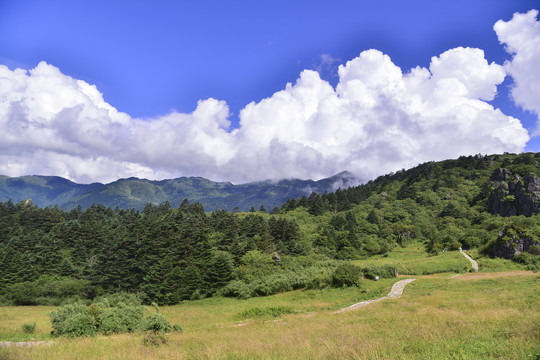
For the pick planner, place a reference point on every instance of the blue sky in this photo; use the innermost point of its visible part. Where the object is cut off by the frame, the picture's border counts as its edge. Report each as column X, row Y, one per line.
column 157, row 60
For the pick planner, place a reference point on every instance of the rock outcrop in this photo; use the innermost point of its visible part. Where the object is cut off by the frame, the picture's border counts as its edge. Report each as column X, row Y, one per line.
column 509, row 244
column 514, row 195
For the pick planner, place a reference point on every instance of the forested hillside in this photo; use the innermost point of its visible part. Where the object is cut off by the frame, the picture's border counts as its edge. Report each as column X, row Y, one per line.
column 170, row 254
column 134, row 193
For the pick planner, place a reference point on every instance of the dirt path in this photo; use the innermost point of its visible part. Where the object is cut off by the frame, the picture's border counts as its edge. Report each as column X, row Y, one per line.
column 474, row 264
column 395, row 292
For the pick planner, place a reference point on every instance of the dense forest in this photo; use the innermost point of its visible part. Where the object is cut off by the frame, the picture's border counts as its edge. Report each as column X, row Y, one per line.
column 167, row 255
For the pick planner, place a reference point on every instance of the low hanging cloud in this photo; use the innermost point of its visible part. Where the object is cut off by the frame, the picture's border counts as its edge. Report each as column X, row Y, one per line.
column 376, row 120
column 521, row 35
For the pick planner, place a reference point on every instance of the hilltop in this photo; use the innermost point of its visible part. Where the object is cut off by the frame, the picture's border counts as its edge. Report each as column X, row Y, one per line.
column 137, row 193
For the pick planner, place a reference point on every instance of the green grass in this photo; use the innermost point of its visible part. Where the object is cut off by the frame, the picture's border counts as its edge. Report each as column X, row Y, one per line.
column 217, row 311
column 414, row 260
column 267, row 312
column 494, row 264
column 472, row 316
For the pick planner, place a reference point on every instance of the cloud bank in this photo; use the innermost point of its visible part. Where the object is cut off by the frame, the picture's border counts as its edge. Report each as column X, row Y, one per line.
column 521, row 35
column 376, row 120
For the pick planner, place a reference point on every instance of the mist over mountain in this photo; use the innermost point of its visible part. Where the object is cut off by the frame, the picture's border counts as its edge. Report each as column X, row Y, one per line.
column 137, row 193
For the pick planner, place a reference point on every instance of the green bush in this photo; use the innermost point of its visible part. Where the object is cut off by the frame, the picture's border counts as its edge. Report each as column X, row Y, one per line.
column 296, row 273
column 347, row 275
column 156, row 323
column 109, row 315
column 23, row 293
column 272, row 311
column 74, row 320
column 29, row 328
column 236, row 288
column 319, row 277
column 534, row 249
column 47, row 290
column 278, row 283
column 382, row 271
column 530, row 260
column 120, row 319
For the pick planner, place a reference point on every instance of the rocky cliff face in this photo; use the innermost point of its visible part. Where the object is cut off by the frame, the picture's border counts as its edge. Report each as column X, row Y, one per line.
column 514, row 195
column 509, row 244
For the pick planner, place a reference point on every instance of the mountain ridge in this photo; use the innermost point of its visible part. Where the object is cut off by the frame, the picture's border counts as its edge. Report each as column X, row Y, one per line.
column 136, row 193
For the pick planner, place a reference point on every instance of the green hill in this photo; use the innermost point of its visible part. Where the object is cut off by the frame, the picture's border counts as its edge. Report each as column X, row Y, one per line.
column 137, row 193
column 42, row 190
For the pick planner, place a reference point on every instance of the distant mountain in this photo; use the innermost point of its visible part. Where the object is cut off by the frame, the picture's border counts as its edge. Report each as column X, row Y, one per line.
column 43, row 190
column 136, row 193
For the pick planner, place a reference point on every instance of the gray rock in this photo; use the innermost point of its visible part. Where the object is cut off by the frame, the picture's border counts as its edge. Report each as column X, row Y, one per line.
column 512, row 195
column 508, row 246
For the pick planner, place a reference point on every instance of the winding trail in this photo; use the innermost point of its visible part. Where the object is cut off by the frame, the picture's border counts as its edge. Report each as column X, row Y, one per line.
column 474, row 264
column 395, row 292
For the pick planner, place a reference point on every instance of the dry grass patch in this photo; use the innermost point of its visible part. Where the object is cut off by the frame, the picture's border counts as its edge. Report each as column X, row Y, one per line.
column 12, row 318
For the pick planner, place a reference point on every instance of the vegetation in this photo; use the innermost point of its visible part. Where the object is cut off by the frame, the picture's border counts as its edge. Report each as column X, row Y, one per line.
column 276, row 278
column 106, row 316
column 439, row 316
column 410, row 222
column 29, row 328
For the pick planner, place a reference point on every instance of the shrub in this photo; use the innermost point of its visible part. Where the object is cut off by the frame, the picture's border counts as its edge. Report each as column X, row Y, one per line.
column 74, row 320
column 272, row 311
column 236, row 288
column 535, row 249
column 29, row 328
column 319, row 277
column 346, row 275
column 156, row 323
column 120, row 319
column 530, row 260
column 109, row 315
column 47, row 290
column 382, row 271
column 154, row 339
column 23, row 293
column 277, row 283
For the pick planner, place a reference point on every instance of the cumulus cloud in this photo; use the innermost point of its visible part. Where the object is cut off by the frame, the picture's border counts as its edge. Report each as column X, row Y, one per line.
column 376, row 120
column 521, row 36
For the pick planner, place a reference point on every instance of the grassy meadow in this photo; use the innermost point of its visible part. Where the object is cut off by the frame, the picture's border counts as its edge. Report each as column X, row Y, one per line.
column 415, row 260
column 491, row 315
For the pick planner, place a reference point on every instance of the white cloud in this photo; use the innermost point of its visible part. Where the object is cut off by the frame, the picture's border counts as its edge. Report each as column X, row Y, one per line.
column 376, row 120
column 522, row 38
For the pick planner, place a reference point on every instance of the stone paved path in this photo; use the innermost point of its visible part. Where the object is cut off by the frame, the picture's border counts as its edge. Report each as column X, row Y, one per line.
column 395, row 292
column 474, row 264
column 25, row 343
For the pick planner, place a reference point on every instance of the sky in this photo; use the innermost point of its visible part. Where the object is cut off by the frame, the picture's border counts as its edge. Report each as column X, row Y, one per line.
column 251, row 90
